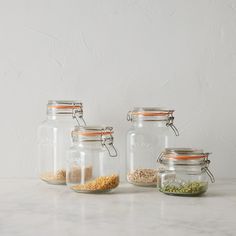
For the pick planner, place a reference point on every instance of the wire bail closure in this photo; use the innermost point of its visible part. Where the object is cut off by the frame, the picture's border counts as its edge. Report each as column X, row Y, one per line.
column 129, row 116
column 108, row 142
column 209, row 173
column 159, row 158
column 77, row 114
column 170, row 123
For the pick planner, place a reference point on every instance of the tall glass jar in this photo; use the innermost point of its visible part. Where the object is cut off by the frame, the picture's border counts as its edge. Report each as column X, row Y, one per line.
column 92, row 166
column 148, row 136
column 54, row 138
column 184, row 171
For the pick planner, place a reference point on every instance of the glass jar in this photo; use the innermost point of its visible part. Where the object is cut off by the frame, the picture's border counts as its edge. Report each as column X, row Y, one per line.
column 184, row 171
column 147, row 137
column 54, row 138
column 92, row 165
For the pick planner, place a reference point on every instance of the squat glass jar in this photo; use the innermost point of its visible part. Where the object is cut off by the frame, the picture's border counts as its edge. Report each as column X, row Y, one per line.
column 184, row 171
column 149, row 134
column 92, row 165
column 54, row 138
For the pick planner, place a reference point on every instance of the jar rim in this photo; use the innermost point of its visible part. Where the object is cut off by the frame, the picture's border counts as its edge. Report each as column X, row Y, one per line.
column 190, row 155
column 63, row 106
column 185, row 153
column 150, row 114
column 151, row 111
column 88, row 131
column 101, row 134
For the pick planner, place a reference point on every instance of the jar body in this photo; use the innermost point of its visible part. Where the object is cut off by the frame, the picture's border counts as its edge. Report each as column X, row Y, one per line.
column 145, row 140
column 54, row 139
column 183, row 180
column 90, row 169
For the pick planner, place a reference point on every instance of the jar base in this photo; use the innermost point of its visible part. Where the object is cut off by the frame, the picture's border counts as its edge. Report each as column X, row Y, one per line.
column 54, row 182
column 184, row 194
column 92, row 191
column 194, row 188
column 100, row 184
column 58, row 178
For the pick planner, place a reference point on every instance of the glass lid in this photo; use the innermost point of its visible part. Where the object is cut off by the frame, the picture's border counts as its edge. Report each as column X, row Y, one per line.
column 184, row 155
column 153, row 114
column 92, row 131
column 66, row 107
column 149, row 111
column 64, row 104
column 101, row 134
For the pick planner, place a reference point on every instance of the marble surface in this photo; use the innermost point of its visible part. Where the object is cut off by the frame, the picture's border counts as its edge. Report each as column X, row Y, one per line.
column 31, row 207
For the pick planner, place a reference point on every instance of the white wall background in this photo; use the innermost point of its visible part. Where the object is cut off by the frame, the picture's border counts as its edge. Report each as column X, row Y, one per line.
column 114, row 55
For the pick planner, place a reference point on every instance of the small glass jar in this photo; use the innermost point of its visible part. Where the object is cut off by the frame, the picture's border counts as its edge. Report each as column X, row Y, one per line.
column 54, row 138
column 184, row 171
column 92, row 165
column 149, row 135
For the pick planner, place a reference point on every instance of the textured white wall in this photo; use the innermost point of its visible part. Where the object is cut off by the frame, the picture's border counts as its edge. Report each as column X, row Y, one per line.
column 114, row 55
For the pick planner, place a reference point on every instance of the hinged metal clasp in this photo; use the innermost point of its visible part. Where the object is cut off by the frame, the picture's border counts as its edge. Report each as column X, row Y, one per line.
column 78, row 115
column 170, row 123
column 207, row 162
column 210, row 174
column 159, row 158
column 129, row 116
column 107, row 141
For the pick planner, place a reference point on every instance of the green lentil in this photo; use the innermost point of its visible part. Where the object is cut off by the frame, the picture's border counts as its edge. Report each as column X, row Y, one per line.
column 190, row 188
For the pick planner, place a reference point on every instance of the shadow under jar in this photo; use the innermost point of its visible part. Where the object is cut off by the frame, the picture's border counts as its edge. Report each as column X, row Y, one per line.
column 92, row 165
column 54, row 138
column 184, row 172
column 150, row 132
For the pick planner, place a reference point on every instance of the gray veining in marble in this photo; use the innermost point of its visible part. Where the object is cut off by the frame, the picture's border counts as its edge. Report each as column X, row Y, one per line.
column 33, row 208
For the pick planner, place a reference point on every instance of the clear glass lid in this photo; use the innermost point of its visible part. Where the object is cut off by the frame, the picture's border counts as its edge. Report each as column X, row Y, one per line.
column 183, row 154
column 65, row 107
column 149, row 111
column 92, row 131
column 103, row 134
column 153, row 114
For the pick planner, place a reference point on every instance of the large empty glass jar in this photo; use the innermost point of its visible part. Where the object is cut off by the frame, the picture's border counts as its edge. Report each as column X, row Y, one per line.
column 183, row 171
column 54, row 138
column 92, row 166
column 149, row 134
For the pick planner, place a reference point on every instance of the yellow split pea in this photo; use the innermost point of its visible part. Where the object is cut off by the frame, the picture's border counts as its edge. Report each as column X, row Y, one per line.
column 102, row 183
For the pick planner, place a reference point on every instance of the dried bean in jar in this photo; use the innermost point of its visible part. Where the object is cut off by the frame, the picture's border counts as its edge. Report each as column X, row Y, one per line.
column 143, row 177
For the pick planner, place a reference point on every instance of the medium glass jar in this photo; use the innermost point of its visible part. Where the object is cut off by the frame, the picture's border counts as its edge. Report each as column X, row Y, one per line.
column 149, row 134
column 92, row 165
column 184, row 171
column 54, row 138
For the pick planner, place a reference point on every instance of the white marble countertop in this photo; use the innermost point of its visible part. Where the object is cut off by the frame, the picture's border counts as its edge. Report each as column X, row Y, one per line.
column 31, row 207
